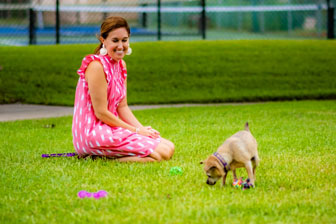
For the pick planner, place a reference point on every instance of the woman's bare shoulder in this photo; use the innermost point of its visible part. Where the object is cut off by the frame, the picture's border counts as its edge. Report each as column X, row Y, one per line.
column 95, row 71
column 95, row 65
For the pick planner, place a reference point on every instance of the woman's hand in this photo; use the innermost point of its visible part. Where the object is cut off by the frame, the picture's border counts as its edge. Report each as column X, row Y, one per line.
column 149, row 131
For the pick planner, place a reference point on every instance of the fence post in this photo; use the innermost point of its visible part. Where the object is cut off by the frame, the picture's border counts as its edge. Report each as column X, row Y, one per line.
column 57, row 23
column 104, row 13
column 203, row 20
column 319, row 19
column 261, row 18
column 289, row 19
column 32, row 28
column 240, row 17
column 331, row 21
column 255, row 24
column 144, row 17
column 159, row 19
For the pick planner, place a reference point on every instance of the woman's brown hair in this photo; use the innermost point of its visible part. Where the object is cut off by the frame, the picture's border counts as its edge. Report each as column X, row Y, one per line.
column 109, row 24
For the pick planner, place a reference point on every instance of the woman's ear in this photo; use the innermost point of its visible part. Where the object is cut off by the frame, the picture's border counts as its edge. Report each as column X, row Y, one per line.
column 101, row 39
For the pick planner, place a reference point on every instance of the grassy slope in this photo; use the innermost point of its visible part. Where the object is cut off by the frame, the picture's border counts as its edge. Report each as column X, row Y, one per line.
column 175, row 72
column 294, row 181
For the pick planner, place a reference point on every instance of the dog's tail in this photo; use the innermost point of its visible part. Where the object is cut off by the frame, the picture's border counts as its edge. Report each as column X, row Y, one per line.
column 247, row 127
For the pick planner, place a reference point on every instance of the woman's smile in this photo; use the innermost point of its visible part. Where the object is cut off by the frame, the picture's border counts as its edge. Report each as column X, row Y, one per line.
column 119, row 51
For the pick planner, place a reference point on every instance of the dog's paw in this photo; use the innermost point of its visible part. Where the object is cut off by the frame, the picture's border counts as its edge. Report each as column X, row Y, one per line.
column 248, row 184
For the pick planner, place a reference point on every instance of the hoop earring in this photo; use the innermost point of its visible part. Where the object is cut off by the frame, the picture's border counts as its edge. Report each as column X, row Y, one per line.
column 129, row 50
column 103, row 50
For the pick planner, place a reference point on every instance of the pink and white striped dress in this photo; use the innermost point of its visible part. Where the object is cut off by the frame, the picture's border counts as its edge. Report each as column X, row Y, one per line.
column 93, row 137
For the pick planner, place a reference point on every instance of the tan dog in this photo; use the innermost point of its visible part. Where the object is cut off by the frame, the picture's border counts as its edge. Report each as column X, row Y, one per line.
column 240, row 150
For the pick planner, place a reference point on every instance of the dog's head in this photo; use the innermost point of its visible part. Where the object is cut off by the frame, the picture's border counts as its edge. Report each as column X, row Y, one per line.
column 213, row 170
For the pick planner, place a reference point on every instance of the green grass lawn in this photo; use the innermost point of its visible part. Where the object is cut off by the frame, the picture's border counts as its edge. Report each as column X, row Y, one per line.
column 295, row 179
column 180, row 71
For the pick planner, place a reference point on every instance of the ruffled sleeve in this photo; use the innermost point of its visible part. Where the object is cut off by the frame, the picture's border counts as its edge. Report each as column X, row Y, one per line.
column 93, row 57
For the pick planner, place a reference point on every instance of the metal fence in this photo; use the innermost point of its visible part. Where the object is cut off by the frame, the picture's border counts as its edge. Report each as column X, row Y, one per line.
column 24, row 22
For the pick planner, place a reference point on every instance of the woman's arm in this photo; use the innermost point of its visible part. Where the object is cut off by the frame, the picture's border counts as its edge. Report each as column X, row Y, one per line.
column 97, row 83
column 124, row 111
column 126, row 114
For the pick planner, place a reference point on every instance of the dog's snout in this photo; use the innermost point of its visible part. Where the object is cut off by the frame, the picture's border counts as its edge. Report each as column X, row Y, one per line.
column 210, row 183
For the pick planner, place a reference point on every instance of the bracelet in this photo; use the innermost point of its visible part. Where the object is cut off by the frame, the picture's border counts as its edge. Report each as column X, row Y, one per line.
column 137, row 130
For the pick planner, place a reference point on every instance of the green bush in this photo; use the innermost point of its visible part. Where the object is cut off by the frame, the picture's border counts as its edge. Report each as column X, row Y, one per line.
column 179, row 72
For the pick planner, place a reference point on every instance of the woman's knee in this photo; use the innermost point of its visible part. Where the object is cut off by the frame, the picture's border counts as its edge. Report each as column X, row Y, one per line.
column 171, row 146
column 164, row 151
column 156, row 156
column 167, row 142
column 170, row 152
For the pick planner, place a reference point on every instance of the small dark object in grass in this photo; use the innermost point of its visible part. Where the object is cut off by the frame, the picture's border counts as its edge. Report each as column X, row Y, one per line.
column 93, row 157
column 49, row 126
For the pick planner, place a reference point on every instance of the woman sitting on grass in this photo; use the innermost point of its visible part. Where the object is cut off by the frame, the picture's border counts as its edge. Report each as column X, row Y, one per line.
column 103, row 124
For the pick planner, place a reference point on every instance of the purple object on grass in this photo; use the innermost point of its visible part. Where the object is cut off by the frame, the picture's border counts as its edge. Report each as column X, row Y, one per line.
column 96, row 195
column 100, row 194
column 82, row 194
column 59, row 155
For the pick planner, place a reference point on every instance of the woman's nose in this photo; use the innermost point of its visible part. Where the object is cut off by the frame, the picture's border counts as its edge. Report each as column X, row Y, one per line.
column 120, row 45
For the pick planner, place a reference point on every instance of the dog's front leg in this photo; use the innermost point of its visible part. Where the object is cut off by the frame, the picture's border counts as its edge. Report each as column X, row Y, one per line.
column 255, row 162
column 234, row 174
column 224, row 179
column 249, row 170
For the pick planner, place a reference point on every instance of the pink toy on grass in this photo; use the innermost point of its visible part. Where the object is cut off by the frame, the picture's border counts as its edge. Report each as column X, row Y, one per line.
column 96, row 195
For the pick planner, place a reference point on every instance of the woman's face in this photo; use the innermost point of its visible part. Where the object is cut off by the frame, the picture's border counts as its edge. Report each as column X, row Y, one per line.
column 116, row 43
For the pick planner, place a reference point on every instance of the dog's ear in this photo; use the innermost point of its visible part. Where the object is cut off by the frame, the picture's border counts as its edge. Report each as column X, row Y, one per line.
column 213, row 168
column 215, row 171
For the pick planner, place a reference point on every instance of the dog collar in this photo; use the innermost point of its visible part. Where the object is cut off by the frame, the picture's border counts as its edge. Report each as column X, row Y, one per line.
column 221, row 159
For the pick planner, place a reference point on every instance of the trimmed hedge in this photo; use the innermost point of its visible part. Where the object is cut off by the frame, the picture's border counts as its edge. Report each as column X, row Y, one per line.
column 180, row 71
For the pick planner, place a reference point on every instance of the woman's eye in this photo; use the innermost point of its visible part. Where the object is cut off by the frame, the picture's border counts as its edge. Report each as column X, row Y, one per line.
column 115, row 41
column 125, row 40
